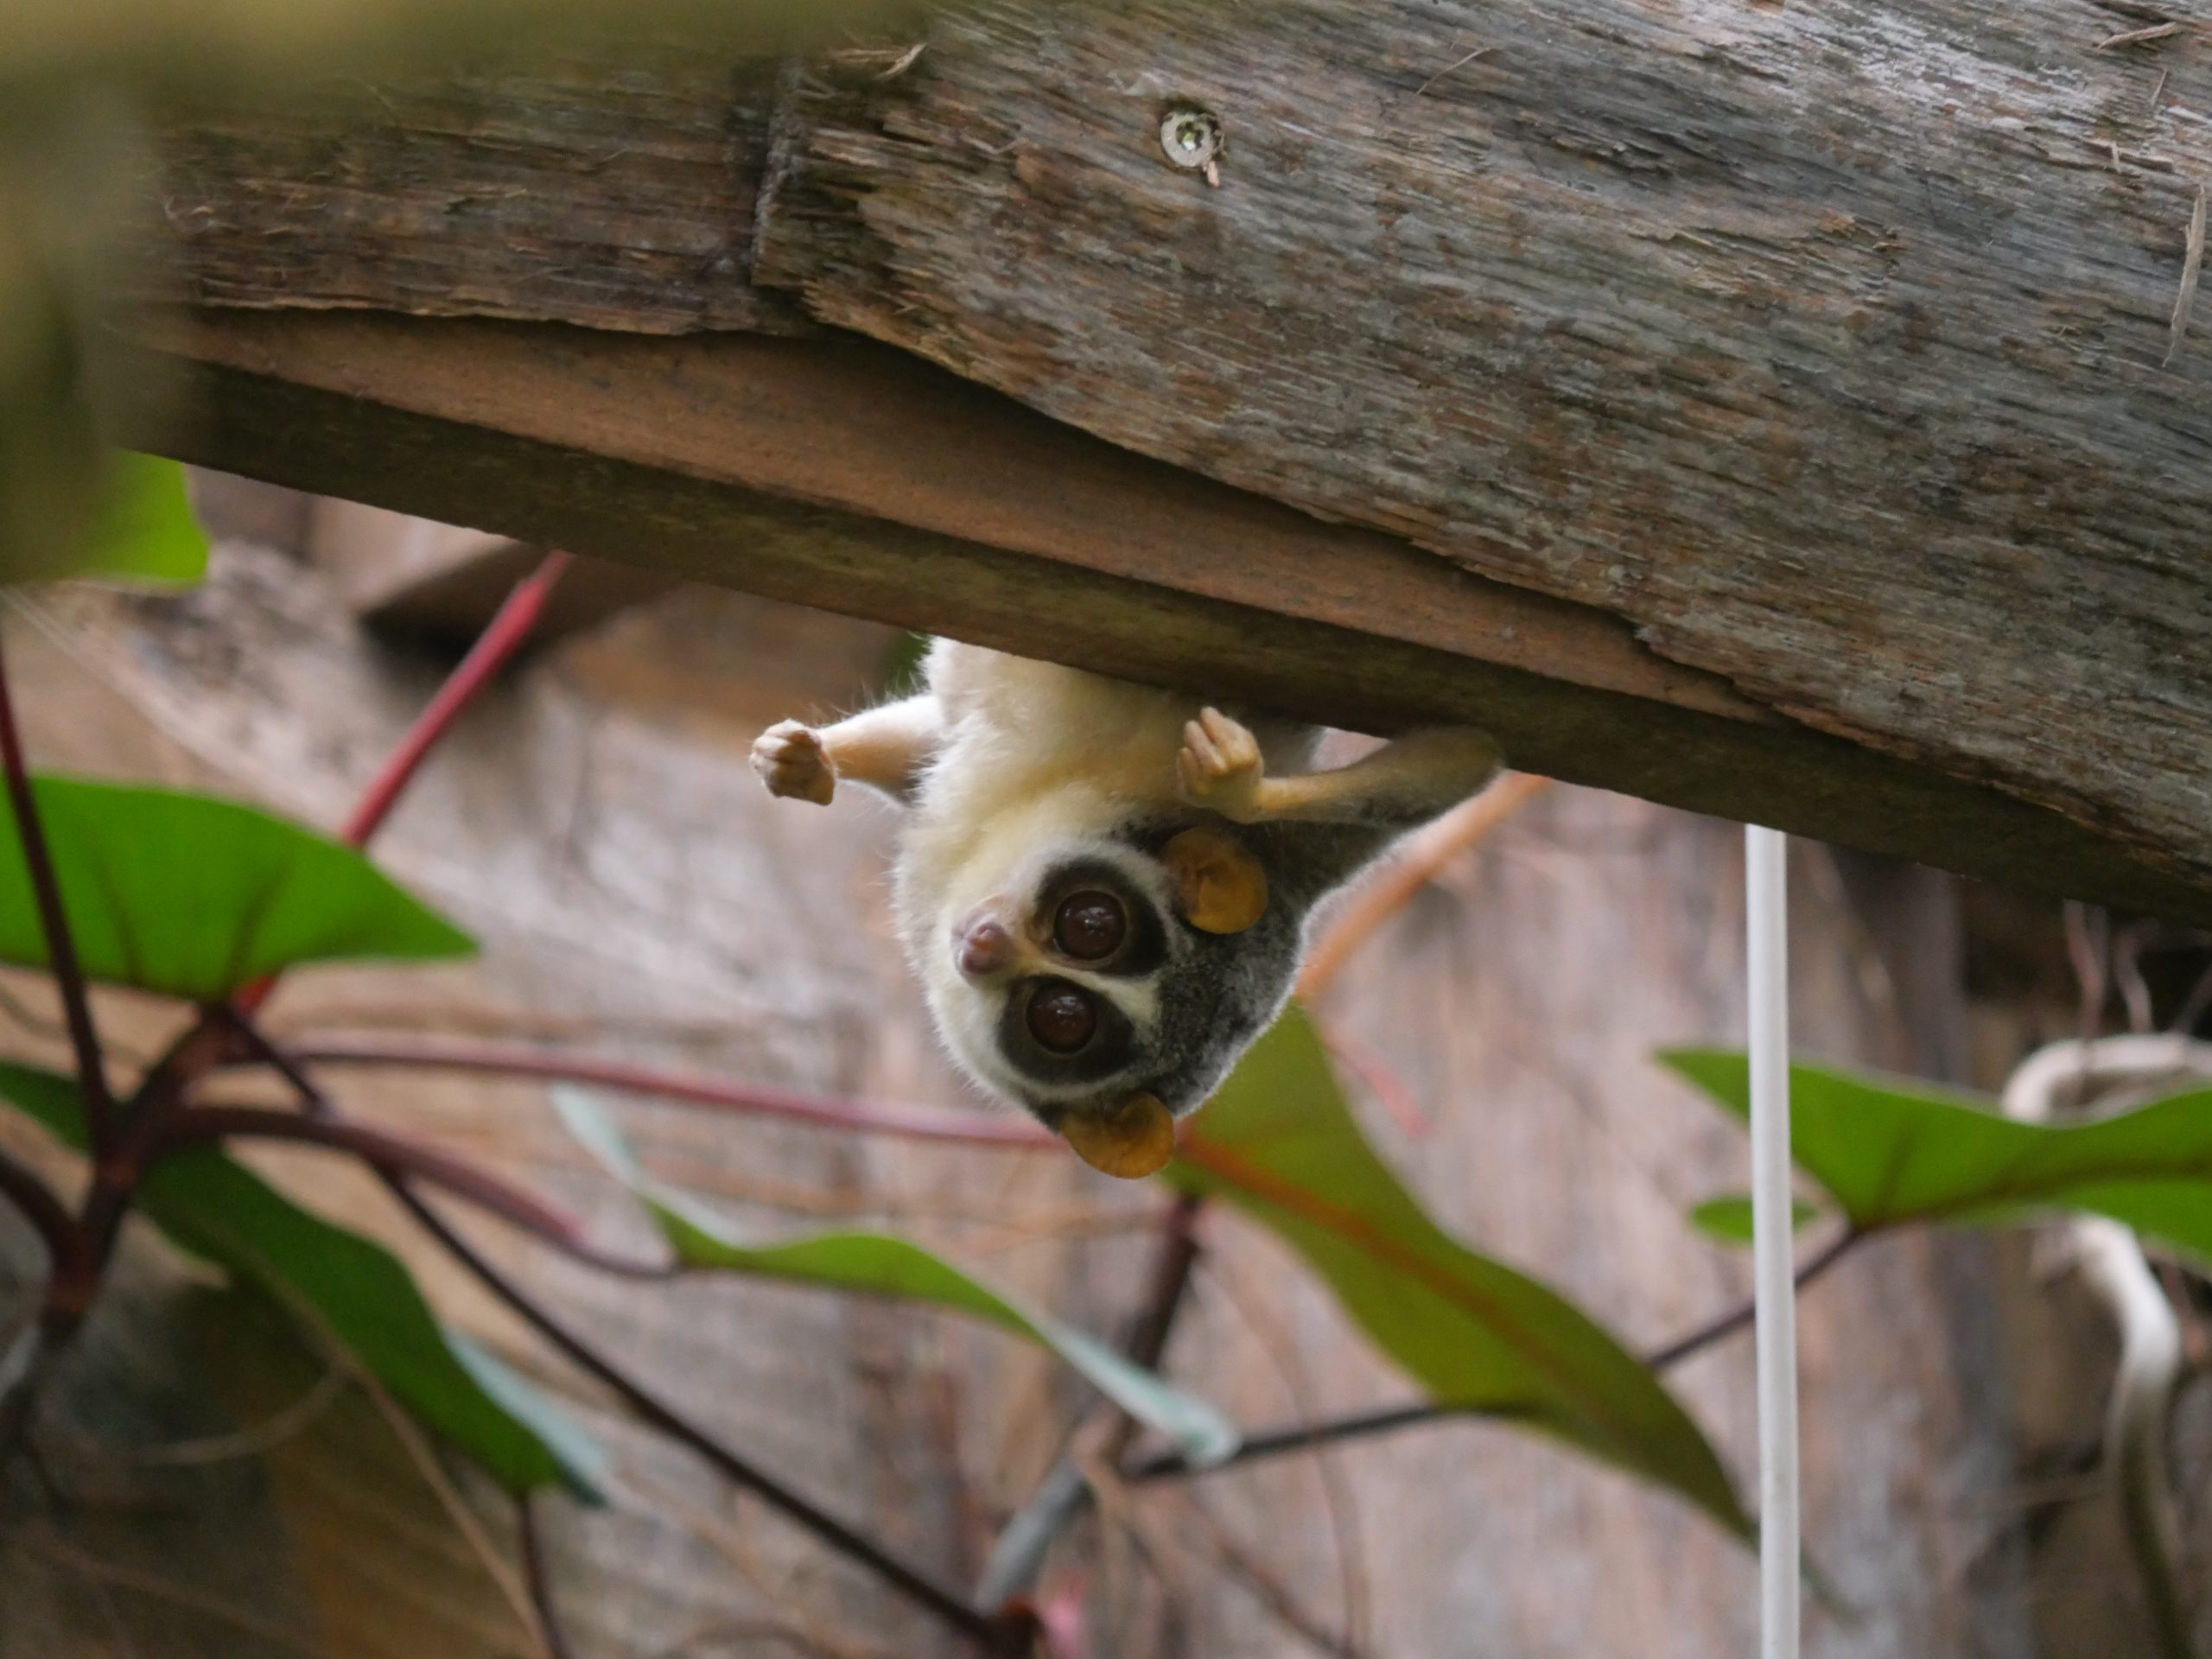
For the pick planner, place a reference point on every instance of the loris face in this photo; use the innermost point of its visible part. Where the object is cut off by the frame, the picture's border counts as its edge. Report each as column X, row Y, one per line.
column 1084, row 984
column 1103, row 887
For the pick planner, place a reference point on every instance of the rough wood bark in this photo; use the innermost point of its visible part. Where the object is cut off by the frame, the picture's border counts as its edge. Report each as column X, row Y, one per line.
column 845, row 475
column 1822, row 346
column 1822, row 343
column 614, row 188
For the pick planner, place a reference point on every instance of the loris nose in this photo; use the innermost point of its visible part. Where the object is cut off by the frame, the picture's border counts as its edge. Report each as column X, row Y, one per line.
column 982, row 946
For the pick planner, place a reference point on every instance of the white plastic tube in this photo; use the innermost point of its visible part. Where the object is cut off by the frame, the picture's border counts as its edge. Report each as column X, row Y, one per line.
column 1774, row 1288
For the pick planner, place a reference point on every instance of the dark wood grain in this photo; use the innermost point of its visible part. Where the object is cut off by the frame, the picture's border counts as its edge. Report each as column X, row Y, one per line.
column 614, row 188
column 846, row 478
column 1822, row 343
column 1814, row 352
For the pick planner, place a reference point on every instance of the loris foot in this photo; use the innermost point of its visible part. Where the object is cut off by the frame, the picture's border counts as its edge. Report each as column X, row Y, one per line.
column 791, row 761
column 1219, row 767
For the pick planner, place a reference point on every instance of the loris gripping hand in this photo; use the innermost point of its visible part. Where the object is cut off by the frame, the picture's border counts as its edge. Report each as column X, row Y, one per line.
column 1102, row 887
column 791, row 761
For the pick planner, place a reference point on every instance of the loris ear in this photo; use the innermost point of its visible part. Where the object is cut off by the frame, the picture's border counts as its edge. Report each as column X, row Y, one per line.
column 1132, row 1140
column 1219, row 885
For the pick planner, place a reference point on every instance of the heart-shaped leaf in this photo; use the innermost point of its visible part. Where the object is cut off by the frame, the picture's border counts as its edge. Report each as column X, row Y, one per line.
column 1890, row 1151
column 194, row 897
column 215, row 1207
column 1278, row 1142
column 882, row 1264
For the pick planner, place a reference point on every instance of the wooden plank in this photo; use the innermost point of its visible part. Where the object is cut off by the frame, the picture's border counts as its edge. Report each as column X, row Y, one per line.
column 1823, row 347
column 1824, row 344
column 613, row 188
column 851, row 479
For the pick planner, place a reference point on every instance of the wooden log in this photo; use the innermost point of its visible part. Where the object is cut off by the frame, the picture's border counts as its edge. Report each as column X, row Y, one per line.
column 1830, row 347
column 856, row 479
column 1831, row 355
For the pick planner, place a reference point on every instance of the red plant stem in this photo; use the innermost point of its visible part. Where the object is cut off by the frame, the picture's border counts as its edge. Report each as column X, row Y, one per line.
column 1368, row 1069
column 505, row 635
column 1302, row 1437
column 394, row 1155
column 693, row 1088
column 502, row 636
column 522, row 1208
column 60, row 948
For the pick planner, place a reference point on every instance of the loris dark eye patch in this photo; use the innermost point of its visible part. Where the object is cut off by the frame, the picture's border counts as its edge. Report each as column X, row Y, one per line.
column 1088, row 912
column 1090, row 925
column 1062, row 1017
column 1060, row 1033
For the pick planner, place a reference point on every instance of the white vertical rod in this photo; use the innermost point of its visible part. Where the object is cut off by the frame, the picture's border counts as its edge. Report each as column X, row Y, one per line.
column 1773, row 1276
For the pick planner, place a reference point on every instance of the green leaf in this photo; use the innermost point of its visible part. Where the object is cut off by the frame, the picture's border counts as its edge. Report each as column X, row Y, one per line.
column 1890, row 1151
column 1728, row 1219
column 215, row 1207
column 133, row 522
column 1278, row 1142
column 145, row 530
column 194, row 897
column 881, row 1264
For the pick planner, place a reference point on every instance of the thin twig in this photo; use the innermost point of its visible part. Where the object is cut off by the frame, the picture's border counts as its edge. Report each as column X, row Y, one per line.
column 650, row 1408
column 2193, row 1005
column 60, row 948
column 691, row 1088
column 255, row 1441
column 397, row 1155
column 1344, row 1515
column 1304, row 1437
column 1265, row 1586
column 1367, row 1068
column 2192, row 262
column 2138, row 36
column 1025, row 1541
column 1480, row 51
column 1736, row 1318
column 48, row 1216
column 1420, row 857
column 537, row 1580
column 39, row 1541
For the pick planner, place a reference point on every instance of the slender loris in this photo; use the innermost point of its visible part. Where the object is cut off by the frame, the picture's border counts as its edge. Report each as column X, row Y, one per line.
column 1103, row 888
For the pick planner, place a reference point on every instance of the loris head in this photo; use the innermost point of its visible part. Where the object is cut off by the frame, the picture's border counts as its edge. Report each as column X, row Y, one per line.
column 1107, row 983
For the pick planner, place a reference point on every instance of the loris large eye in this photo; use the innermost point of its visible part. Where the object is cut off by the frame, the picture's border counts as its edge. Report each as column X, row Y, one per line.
column 1090, row 925
column 1061, row 1017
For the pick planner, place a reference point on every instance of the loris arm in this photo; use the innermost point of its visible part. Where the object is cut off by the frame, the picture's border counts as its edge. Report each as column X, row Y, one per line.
column 884, row 747
column 1401, row 784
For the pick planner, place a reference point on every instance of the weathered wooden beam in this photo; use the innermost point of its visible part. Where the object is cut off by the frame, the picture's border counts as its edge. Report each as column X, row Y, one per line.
column 405, row 576
column 1830, row 346
column 851, row 477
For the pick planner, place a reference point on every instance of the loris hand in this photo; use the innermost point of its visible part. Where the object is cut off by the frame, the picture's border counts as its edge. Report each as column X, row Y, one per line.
column 1219, row 767
column 791, row 761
